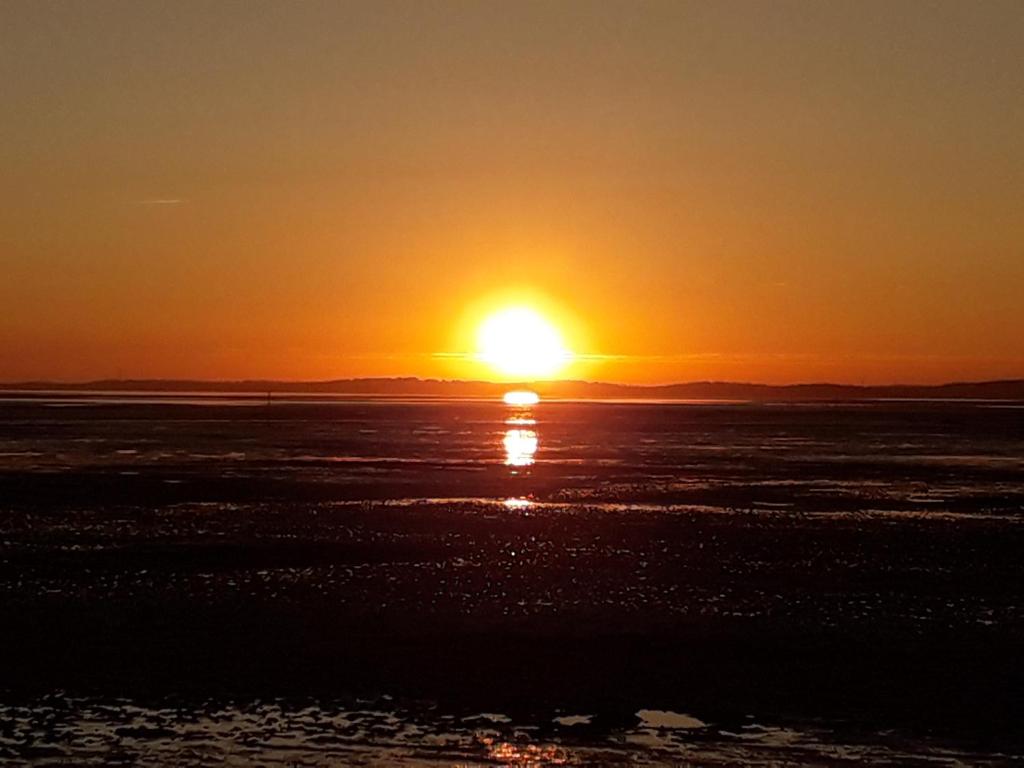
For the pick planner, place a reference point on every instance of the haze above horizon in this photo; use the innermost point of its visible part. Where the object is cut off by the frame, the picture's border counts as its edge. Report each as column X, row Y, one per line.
column 678, row 191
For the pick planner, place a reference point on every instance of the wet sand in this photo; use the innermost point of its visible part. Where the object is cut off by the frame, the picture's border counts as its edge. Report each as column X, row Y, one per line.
column 797, row 581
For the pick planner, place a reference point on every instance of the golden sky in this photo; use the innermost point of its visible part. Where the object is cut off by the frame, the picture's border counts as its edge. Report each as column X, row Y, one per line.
column 776, row 192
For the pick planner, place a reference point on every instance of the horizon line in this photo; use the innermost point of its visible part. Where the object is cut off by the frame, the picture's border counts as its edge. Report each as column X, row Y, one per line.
column 36, row 383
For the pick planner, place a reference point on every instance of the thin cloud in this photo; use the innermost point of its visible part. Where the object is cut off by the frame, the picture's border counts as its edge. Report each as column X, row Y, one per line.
column 161, row 201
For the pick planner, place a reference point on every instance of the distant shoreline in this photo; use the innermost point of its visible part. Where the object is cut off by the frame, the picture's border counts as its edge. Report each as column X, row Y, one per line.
column 700, row 390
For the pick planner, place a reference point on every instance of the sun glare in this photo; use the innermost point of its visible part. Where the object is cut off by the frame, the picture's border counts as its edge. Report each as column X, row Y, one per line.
column 519, row 342
column 521, row 398
column 520, row 446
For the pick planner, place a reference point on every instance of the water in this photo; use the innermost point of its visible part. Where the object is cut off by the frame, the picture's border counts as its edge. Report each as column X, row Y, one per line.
column 119, row 732
column 371, row 581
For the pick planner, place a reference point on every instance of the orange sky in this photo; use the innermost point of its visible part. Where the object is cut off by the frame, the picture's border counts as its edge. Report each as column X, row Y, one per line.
column 748, row 191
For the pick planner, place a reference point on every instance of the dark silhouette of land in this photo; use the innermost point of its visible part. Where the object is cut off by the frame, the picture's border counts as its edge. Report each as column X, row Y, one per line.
column 1010, row 389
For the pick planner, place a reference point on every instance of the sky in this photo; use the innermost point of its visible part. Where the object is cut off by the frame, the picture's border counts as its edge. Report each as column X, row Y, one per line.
column 750, row 191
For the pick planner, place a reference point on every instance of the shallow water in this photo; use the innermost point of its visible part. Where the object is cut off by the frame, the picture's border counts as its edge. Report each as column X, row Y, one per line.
column 199, row 581
column 57, row 731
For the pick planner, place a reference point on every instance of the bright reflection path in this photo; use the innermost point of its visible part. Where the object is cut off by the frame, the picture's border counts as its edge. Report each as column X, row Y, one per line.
column 520, row 421
column 526, row 755
column 521, row 397
column 520, row 446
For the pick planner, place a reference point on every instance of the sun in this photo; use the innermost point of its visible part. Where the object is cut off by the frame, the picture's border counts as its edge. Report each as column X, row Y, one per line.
column 518, row 342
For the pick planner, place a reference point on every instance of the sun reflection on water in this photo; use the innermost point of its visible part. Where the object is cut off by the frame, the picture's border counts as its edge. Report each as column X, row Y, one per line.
column 517, row 502
column 520, row 421
column 521, row 397
column 525, row 755
column 520, row 447
column 520, row 440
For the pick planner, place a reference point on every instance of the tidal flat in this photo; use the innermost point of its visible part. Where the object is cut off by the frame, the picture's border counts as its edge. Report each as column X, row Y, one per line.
column 190, row 580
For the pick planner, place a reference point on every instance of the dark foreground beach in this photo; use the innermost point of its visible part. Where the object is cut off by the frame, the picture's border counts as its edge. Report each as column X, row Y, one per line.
column 387, row 582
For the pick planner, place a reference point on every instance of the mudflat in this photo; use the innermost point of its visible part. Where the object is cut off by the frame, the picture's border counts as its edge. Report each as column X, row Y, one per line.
column 460, row 581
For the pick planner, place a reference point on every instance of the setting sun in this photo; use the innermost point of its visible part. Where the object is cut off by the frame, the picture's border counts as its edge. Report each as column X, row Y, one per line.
column 520, row 342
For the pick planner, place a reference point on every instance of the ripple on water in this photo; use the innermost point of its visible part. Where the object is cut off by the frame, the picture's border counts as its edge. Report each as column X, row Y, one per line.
column 59, row 731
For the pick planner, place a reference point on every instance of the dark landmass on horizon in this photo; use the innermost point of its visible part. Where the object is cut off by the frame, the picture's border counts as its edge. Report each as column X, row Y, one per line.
column 1009, row 389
